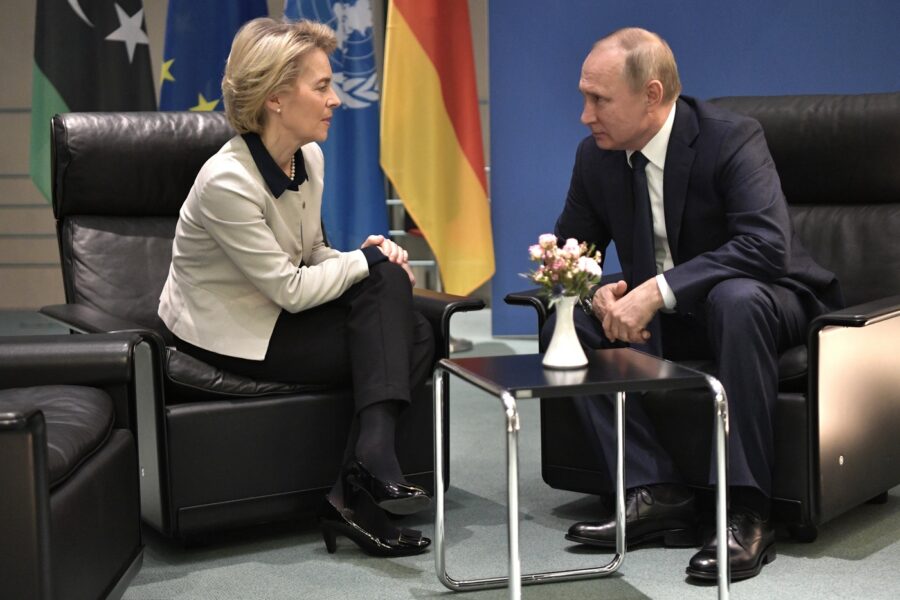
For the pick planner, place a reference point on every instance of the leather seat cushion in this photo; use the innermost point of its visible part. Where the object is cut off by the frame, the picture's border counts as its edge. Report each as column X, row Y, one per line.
column 78, row 421
column 792, row 368
column 200, row 378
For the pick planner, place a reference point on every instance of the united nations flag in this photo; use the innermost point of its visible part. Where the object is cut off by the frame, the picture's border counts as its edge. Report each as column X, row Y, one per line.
column 353, row 201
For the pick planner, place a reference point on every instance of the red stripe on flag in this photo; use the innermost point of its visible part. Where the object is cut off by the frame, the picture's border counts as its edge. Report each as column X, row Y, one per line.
column 443, row 29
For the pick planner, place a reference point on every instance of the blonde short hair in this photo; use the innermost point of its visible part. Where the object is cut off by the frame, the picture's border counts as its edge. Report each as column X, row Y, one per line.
column 647, row 57
column 265, row 59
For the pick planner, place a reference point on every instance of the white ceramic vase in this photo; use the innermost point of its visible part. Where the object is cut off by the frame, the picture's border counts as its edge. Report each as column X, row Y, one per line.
column 565, row 350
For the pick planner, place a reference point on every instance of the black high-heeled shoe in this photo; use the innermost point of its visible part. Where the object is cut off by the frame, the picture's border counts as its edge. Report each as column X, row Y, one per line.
column 396, row 498
column 394, row 542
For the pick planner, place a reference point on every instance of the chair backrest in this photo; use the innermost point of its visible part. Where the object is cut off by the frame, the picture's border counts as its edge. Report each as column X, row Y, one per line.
column 838, row 157
column 119, row 180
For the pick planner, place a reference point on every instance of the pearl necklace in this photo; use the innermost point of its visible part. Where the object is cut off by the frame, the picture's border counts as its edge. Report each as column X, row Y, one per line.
column 293, row 166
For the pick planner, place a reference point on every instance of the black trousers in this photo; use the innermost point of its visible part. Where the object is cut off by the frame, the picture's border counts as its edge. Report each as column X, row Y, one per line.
column 370, row 335
column 743, row 326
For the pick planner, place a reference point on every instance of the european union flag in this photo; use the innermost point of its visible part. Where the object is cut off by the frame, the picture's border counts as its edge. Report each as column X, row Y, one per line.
column 198, row 39
column 353, row 204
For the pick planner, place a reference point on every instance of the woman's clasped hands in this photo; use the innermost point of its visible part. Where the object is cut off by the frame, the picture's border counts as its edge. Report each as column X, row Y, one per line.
column 393, row 251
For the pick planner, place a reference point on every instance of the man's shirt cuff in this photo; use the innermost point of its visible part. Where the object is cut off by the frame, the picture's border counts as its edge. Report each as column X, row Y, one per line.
column 666, row 291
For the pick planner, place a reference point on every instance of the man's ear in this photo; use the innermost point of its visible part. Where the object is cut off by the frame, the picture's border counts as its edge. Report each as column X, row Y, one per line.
column 654, row 93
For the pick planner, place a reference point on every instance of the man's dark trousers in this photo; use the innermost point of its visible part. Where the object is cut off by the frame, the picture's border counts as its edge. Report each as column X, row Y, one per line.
column 743, row 325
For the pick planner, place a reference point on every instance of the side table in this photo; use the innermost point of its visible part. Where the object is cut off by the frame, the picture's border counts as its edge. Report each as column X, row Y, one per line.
column 518, row 377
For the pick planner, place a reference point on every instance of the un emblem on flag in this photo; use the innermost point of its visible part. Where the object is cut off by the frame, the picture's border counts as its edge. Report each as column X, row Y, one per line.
column 353, row 62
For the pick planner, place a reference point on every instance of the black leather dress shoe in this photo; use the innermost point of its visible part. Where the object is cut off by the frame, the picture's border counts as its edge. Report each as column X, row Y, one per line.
column 394, row 497
column 647, row 518
column 751, row 544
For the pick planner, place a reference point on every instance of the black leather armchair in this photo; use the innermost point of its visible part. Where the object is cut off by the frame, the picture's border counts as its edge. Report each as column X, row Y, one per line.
column 70, row 524
column 838, row 411
column 216, row 450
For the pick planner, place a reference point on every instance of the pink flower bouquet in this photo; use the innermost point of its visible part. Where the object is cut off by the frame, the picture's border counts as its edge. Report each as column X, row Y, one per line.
column 569, row 270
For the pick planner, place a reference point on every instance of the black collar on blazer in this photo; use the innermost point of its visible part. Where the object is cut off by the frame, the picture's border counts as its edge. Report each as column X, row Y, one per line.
column 269, row 169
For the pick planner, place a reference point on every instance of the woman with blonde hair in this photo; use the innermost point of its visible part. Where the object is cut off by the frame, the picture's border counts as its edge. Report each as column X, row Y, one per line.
column 254, row 289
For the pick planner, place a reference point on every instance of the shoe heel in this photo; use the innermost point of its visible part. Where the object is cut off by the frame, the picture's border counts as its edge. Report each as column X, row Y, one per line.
column 681, row 538
column 329, row 537
column 770, row 555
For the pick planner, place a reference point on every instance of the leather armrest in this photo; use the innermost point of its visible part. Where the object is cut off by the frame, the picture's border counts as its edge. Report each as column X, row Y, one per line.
column 85, row 319
column 438, row 307
column 533, row 298
column 861, row 322
column 24, row 505
column 854, row 391
column 860, row 315
column 852, row 316
column 98, row 360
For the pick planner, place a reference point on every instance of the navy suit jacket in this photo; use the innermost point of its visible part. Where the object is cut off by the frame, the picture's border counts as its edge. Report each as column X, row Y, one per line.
column 725, row 212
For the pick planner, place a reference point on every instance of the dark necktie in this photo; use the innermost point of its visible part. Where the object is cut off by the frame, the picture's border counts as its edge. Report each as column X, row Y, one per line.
column 644, row 256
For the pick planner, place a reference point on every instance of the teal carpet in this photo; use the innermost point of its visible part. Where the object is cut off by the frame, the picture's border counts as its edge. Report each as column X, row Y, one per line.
column 855, row 556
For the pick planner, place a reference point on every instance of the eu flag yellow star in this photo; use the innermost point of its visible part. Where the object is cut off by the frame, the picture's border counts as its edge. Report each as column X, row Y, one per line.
column 166, row 71
column 204, row 104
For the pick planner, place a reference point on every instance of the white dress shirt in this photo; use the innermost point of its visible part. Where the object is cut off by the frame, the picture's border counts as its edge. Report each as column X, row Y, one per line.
column 655, row 152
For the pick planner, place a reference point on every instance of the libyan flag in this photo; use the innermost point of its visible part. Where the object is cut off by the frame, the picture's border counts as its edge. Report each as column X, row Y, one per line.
column 88, row 56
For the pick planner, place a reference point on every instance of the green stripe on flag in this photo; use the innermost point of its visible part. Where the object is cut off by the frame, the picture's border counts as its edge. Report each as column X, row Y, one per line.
column 45, row 102
column 88, row 56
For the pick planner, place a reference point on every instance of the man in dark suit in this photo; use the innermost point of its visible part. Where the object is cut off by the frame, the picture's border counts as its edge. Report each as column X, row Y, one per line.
column 711, row 269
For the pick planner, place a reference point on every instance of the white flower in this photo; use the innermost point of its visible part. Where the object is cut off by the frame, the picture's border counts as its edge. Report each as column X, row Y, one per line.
column 569, row 270
column 547, row 241
column 589, row 265
column 572, row 248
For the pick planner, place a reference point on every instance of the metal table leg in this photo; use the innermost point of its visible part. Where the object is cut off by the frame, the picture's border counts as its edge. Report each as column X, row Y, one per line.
column 721, row 418
column 515, row 579
column 512, row 493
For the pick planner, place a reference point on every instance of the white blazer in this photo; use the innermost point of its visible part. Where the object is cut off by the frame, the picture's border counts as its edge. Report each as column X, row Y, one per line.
column 237, row 253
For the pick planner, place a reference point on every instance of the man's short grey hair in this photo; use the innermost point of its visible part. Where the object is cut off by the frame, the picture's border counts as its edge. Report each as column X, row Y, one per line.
column 647, row 57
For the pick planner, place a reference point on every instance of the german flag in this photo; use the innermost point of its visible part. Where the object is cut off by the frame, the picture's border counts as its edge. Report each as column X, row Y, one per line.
column 431, row 146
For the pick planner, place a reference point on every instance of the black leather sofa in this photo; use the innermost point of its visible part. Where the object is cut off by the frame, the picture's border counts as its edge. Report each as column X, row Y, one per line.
column 217, row 451
column 70, row 526
column 838, row 411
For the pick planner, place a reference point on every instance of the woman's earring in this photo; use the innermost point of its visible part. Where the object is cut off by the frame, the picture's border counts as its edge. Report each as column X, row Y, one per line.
column 278, row 111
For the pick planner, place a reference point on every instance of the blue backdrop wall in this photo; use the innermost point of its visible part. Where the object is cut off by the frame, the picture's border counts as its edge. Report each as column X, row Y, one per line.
column 723, row 48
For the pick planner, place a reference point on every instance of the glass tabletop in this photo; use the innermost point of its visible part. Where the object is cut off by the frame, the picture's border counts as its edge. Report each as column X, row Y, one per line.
column 610, row 370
